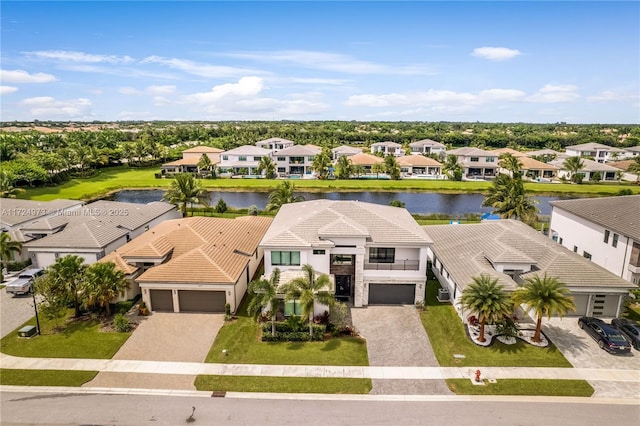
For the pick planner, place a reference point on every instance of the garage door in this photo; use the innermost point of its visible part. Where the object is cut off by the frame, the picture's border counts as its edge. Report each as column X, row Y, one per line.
column 161, row 300
column 201, row 301
column 392, row 294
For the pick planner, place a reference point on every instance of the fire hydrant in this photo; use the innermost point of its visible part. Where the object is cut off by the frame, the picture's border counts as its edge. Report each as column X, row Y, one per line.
column 477, row 375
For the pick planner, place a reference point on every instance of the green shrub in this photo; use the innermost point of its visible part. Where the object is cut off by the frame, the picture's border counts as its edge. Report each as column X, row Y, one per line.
column 289, row 331
column 221, row 207
column 18, row 266
column 121, row 323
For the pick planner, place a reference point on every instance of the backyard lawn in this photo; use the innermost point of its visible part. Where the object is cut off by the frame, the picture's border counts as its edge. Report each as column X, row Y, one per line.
column 283, row 384
column 538, row 387
column 45, row 377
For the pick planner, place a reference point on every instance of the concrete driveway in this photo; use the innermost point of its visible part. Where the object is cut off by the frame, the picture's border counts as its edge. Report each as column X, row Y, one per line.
column 583, row 352
column 14, row 311
column 164, row 337
column 395, row 337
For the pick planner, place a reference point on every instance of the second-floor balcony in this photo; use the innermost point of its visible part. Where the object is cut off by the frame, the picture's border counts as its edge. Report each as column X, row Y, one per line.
column 400, row 265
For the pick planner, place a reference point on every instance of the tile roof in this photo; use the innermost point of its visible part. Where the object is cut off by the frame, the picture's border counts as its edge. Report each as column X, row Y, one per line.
column 304, row 224
column 271, row 140
column 387, row 143
column 620, row 214
column 468, row 151
column 426, row 142
column 347, row 149
column 633, row 149
column 592, row 146
column 16, row 211
column 529, row 163
column 183, row 162
column 468, row 250
column 202, row 149
column 417, row 160
column 247, row 150
column 589, row 165
column 513, row 152
column 622, row 165
column 299, row 150
column 544, row 152
column 364, row 159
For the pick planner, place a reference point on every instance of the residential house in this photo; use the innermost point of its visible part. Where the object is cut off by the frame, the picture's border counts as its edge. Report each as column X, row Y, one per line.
column 501, row 151
column 427, row 146
column 604, row 230
column 344, row 150
column 419, row 166
column 599, row 152
column 94, row 230
column 190, row 159
column 477, row 163
column 295, row 160
column 195, row 264
column 546, row 154
column 242, row 160
column 631, row 152
column 511, row 252
column 590, row 168
column 366, row 161
column 624, row 167
column 537, row 170
column 374, row 254
column 275, row 144
column 387, row 148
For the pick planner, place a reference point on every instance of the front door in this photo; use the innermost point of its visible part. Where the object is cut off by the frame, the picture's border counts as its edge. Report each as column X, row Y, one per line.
column 343, row 287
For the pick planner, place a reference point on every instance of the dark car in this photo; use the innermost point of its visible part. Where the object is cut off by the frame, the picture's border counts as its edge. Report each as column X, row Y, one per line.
column 607, row 336
column 631, row 330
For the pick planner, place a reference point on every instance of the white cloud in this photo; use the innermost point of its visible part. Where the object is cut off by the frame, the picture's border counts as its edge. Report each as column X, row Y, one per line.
column 5, row 90
column 48, row 107
column 20, row 76
column 129, row 91
column 615, row 95
column 495, row 53
column 74, row 56
column 501, row 95
column 161, row 90
column 161, row 101
column 202, row 70
column 555, row 93
column 246, row 86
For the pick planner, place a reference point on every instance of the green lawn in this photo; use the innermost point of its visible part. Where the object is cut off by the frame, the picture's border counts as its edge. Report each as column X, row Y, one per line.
column 283, row 384
column 633, row 312
column 81, row 339
column 45, row 377
column 114, row 178
column 448, row 338
column 540, row 387
column 241, row 340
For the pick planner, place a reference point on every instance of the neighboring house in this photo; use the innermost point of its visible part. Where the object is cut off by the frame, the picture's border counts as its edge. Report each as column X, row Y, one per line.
column 419, row 165
column 366, row 161
column 242, row 160
column 605, row 230
column 631, row 152
column 607, row 172
column 374, row 254
column 195, row 264
column 275, row 144
column 190, row 158
column 387, row 148
column 477, row 163
column 500, row 151
column 511, row 252
column 295, row 160
column 344, row 150
column 624, row 166
column 549, row 153
column 599, row 152
column 427, row 146
column 536, row 170
column 94, row 230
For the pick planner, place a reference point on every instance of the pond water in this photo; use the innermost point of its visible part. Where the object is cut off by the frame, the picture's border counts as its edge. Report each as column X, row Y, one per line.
column 415, row 202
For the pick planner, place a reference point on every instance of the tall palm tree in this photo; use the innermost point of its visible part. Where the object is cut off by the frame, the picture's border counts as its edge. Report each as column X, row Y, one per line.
column 573, row 166
column 184, row 190
column 308, row 290
column 511, row 164
column 321, row 164
column 265, row 294
column 391, row 167
column 204, row 163
column 452, row 168
column 282, row 194
column 8, row 248
column 7, row 190
column 266, row 163
column 103, row 283
column 507, row 195
column 545, row 296
column 67, row 274
column 378, row 168
column 486, row 299
column 344, row 168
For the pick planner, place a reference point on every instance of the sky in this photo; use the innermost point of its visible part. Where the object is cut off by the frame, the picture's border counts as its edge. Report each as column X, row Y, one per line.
column 506, row 61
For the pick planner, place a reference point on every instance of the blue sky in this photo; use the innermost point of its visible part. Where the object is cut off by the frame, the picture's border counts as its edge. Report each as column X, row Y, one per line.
column 536, row 62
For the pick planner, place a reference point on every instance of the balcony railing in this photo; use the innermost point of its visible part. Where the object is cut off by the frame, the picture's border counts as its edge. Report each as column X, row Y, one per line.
column 402, row 265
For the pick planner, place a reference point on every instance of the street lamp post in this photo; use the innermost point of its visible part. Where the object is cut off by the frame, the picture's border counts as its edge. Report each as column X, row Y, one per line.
column 35, row 307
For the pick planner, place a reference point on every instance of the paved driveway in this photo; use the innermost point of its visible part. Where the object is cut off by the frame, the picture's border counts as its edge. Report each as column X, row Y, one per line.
column 14, row 311
column 395, row 337
column 583, row 352
column 164, row 337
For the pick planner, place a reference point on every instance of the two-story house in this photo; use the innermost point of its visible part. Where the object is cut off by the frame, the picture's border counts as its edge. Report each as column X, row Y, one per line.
column 344, row 150
column 427, row 146
column 295, row 160
column 374, row 254
column 275, row 144
column 604, row 230
column 477, row 163
column 242, row 160
column 599, row 152
column 387, row 148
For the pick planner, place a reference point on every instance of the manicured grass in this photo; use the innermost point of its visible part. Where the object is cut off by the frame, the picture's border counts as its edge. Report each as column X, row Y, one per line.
column 80, row 339
column 448, row 338
column 540, row 387
column 283, row 384
column 45, row 377
column 121, row 177
column 240, row 338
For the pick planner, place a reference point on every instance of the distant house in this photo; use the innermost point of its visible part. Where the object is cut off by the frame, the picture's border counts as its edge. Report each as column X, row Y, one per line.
column 605, row 230
column 590, row 168
column 632, row 151
column 94, row 230
column 599, row 152
column 511, row 252
column 195, row 264
column 295, row 160
column 477, row 163
column 366, row 161
column 537, row 170
column 427, row 146
column 190, row 159
column 387, row 148
column 624, row 167
column 275, row 144
column 242, row 160
column 500, row 151
column 419, row 165
column 344, row 150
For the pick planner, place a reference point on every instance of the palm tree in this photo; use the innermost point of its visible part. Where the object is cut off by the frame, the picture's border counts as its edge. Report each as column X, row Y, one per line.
column 452, row 168
column 265, row 294
column 344, row 168
column 378, row 168
column 103, row 283
column 67, row 274
column 7, row 190
column 634, row 168
column 321, row 164
column 282, row 194
column 7, row 249
column 308, row 290
column 184, row 190
column 269, row 167
column 545, row 296
column 487, row 300
column 573, row 166
column 391, row 167
column 511, row 164
column 508, row 197
column 204, row 163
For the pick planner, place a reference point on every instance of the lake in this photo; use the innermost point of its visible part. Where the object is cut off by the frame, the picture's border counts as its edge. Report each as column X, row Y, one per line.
column 415, row 202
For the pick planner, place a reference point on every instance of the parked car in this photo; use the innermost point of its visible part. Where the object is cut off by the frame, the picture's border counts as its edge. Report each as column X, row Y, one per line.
column 630, row 329
column 22, row 284
column 607, row 336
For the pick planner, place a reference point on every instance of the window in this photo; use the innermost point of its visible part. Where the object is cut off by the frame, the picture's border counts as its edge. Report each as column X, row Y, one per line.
column 341, row 259
column 225, row 157
column 257, row 158
column 382, row 255
column 318, row 252
column 474, row 159
column 292, row 307
column 606, row 235
column 575, row 249
column 282, row 169
column 490, row 159
column 282, row 158
column 310, row 158
column 586, row 255
column 242, row 158
column 285, row 258
column 560, row 240
column 614, row 242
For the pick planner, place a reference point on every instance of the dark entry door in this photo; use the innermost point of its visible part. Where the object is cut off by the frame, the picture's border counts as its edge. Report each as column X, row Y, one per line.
column 343, row 287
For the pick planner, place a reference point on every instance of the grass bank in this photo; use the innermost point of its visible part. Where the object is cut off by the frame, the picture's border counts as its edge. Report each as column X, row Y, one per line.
column 283, row 384
column 45, row 377
column 538, row 387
